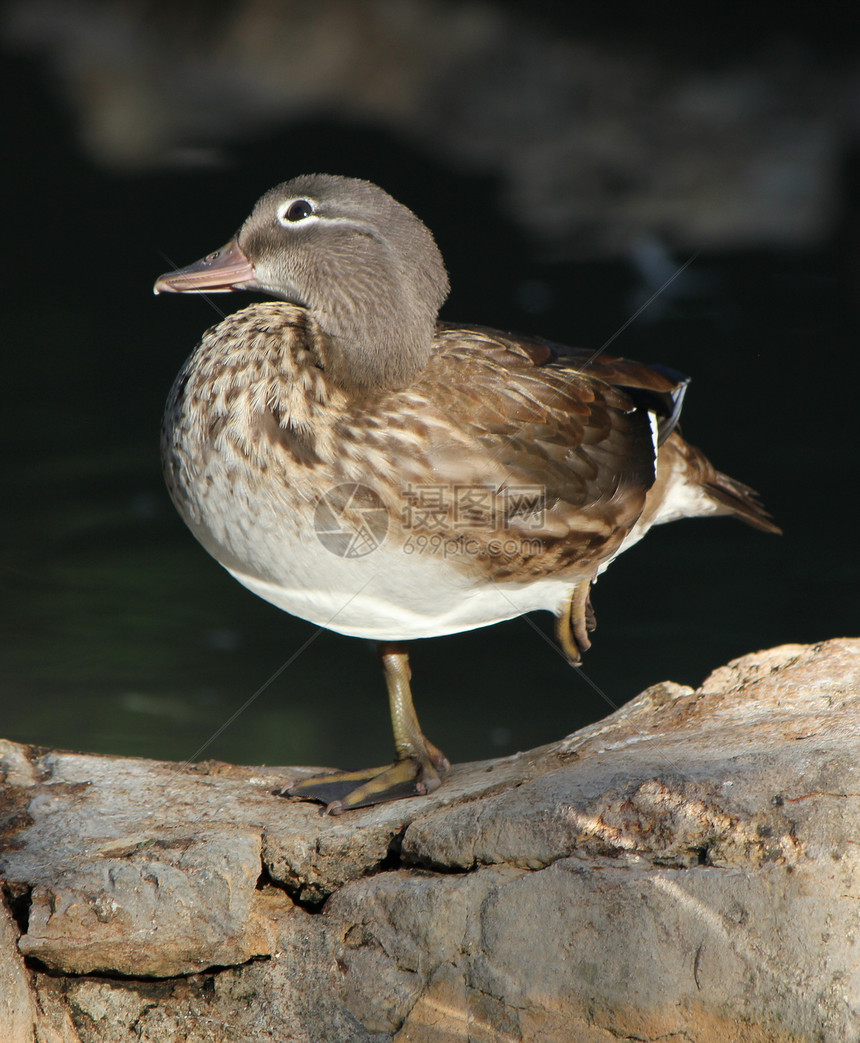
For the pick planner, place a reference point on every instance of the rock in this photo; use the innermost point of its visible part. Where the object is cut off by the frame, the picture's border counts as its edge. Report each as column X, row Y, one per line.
column 32, row 1007
column 686, row 868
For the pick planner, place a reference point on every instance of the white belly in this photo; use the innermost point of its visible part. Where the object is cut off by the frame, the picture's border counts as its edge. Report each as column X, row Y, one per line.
column 395, row 592
column 392, row 596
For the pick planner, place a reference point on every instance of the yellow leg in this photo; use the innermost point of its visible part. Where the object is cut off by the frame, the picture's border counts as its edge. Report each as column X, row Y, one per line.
column 418, row 766
column 574, row 623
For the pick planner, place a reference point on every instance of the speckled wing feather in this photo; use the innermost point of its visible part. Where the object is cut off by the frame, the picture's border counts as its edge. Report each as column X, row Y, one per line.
column 656, row 388
column 508, row 415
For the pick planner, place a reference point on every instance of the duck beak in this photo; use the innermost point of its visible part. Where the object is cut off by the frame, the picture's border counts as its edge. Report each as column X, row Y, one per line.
column 219, row 272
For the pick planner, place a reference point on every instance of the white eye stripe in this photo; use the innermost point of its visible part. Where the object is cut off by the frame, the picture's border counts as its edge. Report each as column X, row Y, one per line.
column 312, row 217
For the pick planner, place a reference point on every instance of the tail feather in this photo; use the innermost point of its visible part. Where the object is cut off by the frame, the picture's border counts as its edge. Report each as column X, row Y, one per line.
column 688, row 485
column 741, row 501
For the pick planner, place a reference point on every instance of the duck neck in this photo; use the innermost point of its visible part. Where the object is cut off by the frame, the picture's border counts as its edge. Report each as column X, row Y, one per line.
column 366, row 353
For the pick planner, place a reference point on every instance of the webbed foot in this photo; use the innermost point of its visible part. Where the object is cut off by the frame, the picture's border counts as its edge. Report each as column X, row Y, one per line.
column 417, row 770
column 575, row 623
column 411, row 776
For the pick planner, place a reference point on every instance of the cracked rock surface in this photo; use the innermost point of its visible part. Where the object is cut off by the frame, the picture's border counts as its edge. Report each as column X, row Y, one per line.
column 686, row 869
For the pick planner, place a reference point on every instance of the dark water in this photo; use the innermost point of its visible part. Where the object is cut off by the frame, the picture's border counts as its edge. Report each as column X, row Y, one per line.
column 120, row 635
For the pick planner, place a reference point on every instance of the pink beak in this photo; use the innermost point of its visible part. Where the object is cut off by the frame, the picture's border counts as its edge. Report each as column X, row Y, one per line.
column 219, row 272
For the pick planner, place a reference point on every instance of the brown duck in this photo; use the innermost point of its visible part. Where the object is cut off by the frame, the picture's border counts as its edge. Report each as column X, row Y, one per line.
column 365, row 467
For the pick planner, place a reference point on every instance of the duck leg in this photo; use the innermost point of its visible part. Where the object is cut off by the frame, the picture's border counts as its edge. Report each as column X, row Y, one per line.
column 418, row 766
column 575, row 622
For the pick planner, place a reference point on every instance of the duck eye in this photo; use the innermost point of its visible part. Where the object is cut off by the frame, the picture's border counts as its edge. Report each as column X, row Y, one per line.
column 298, row 210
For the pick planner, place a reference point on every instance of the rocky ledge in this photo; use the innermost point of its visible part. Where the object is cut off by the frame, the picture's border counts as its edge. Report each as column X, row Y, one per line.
column 686, row 869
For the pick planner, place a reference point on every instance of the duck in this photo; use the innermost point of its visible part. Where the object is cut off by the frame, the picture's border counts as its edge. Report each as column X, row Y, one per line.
column 360, row 464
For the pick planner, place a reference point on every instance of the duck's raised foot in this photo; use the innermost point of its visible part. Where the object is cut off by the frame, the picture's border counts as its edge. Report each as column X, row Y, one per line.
column 575, row 623
column 345, row 790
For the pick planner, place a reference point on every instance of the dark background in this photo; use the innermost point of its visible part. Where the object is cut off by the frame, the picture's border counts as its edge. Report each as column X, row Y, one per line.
column 120, row 635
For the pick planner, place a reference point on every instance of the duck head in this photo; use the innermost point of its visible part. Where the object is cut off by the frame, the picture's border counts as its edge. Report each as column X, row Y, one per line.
column 364, row 266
